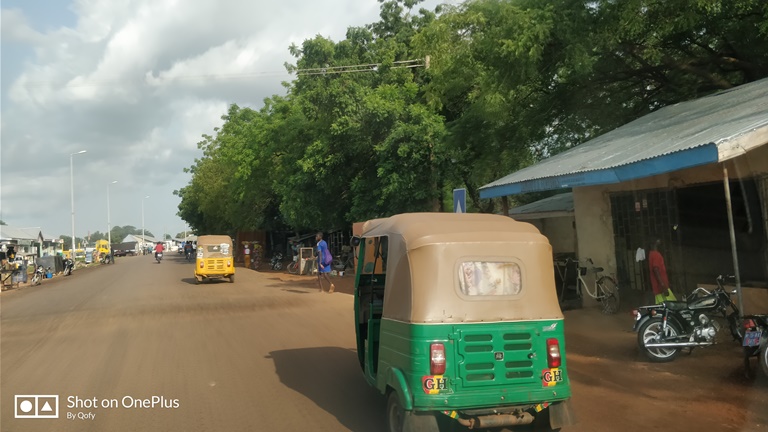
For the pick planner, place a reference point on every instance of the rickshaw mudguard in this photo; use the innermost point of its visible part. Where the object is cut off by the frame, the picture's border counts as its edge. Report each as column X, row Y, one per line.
column 396, row 381
column 561, row 415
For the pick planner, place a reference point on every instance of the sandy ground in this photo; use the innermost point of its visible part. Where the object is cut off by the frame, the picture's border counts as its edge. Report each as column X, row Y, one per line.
column 271, row 353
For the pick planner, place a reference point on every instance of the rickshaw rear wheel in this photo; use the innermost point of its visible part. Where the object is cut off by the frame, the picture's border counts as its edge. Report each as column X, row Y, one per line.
column 401, row 420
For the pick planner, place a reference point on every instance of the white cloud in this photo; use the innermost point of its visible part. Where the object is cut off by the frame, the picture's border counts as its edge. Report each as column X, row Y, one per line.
column 136, row 82
column 14, row 27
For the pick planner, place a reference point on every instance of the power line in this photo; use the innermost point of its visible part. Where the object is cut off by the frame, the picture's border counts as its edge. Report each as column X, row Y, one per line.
column 148, row 80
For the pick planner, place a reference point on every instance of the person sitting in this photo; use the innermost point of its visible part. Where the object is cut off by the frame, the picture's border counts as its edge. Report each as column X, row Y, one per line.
column 159, row 248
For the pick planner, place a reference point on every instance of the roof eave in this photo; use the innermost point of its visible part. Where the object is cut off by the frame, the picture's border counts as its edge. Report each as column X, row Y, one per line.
column 689, row 158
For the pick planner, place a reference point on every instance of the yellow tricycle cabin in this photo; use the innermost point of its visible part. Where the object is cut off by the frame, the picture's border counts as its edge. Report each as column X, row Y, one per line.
column 102, row 247
column 215, row 258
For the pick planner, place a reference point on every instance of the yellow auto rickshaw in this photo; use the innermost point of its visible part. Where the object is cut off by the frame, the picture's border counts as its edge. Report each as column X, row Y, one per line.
column 215, row 258
column 457, row 319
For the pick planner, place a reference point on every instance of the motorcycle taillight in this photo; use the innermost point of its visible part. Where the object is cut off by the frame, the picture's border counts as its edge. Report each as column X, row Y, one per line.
column 749, row 324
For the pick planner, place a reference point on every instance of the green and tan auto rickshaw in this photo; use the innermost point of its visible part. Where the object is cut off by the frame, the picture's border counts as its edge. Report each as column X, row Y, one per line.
column 215, row 258
column 457, row 319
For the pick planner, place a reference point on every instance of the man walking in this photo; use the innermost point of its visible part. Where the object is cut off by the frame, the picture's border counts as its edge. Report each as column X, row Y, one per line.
column 247, row 256
column 323, row 263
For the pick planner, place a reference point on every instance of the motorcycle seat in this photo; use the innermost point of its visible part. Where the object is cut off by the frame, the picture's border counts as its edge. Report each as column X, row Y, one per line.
column 676, row 305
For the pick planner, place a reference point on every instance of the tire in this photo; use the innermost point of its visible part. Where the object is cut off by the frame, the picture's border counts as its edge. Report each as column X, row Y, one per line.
column 648, row 331
column 232, row 279
column 36, row 279
column 400, row 420
column 609, row 294
column 278, row 266
column 763, row 357
column 737, row 331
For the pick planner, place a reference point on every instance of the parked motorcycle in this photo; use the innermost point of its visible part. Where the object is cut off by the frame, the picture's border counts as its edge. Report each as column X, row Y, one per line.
column 158, row 257
column 755, row 342
column 663, row 330
column 69, row 267
column 39, row 275
column 276, row 263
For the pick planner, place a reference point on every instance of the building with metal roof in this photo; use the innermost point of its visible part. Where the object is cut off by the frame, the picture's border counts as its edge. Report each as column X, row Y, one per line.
column 693, row 174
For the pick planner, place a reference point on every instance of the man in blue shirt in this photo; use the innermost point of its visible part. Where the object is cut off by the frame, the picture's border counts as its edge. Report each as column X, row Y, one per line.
column 323, row 263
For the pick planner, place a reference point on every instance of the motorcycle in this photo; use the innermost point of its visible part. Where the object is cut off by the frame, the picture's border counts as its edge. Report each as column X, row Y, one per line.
column 69, row 267
column 276, row 263
column 663, row 330
column 158, row 257
column 755, row 342
column 39, row 275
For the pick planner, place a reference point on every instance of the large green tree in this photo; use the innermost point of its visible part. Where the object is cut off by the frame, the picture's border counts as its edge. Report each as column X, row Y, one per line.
column 509, row 82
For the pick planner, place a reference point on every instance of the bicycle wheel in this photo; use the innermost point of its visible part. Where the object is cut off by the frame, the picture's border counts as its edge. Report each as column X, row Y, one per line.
column 293, row 268
column 608, row 294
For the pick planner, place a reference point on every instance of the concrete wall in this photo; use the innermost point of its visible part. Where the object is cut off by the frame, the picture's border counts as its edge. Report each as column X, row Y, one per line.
column 561, row 232
column 594, row 229
column 594, row 223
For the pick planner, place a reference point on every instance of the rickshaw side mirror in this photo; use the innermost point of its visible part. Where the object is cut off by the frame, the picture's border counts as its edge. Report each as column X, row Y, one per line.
column 355, row 241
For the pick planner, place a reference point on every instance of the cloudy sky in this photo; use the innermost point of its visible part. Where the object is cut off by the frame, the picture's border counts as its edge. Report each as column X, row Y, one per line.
column 134, row 83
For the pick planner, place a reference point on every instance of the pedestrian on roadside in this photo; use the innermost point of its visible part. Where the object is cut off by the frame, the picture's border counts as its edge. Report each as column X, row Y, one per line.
column 247, row 255
column 324, row 260
column 257, row 253
column 659, row 278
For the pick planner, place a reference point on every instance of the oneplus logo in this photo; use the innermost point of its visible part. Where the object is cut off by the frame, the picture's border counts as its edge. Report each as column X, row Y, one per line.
column 37, row 406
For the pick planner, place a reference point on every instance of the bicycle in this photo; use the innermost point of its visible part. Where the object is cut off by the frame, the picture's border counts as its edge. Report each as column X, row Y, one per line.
column 293, row 267
column 605, row 290
column 343, row 264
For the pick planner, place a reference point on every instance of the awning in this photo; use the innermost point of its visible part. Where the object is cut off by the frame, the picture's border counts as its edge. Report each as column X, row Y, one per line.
column 707, row 130
column 560, row 205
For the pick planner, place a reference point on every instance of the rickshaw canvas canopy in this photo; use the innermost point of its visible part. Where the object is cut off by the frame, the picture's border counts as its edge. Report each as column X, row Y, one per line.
column 214, row 240
column 424, row 255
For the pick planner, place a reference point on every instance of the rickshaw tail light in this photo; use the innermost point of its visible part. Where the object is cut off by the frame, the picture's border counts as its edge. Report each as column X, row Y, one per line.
column 437, row 359
column 553, row 353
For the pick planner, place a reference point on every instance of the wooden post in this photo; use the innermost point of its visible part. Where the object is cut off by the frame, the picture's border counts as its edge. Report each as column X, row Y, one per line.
column 734, row 252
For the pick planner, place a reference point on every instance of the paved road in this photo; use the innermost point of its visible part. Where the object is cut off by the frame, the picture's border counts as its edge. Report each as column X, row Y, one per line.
column 267, row 355
column 247, row 356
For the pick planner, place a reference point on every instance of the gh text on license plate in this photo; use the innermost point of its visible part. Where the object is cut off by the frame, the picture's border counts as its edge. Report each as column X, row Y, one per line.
column 752, row 339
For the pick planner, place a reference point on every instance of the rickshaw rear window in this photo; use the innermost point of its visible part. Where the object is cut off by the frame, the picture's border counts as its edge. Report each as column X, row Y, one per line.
column 481, row 278
column 222, row 248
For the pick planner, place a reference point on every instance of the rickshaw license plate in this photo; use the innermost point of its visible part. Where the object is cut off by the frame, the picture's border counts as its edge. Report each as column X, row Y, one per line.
column 752, row 338
column 550, row 377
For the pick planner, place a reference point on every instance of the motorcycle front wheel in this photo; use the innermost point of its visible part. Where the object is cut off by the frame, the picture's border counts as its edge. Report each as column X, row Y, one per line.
column 652, row 331
column 36, row 279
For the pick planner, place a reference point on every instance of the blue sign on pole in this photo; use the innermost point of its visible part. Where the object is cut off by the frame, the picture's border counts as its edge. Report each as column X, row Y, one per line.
column 460, row 200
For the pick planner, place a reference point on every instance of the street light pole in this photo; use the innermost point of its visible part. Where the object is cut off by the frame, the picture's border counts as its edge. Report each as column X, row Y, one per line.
column 143, row 238
column 109, row 222
column 72, row 198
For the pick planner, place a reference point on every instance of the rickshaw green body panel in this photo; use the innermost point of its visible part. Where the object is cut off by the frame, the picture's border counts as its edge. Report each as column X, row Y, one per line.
column 473, row 378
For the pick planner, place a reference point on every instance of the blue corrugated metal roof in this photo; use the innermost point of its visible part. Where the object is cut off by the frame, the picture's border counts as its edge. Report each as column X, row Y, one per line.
column 555, row 204
column 675, row 137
